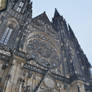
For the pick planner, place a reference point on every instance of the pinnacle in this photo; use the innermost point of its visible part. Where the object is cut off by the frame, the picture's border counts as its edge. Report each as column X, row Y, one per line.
column 56, row 14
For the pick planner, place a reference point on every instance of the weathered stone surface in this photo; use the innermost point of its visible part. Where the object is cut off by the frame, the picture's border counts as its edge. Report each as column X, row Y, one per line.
column 37, row 55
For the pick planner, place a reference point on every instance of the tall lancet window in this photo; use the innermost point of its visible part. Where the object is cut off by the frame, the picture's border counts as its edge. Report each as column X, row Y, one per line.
column 6, row 36
column 20, row 6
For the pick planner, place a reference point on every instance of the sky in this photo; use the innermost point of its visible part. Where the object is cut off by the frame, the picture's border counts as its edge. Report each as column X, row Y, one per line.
column 78, row 13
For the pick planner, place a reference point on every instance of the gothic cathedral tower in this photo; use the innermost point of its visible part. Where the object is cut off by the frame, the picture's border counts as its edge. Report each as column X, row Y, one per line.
column 37, row 55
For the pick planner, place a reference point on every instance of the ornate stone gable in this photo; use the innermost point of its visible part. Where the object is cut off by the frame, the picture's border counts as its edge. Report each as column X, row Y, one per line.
column 39, row 55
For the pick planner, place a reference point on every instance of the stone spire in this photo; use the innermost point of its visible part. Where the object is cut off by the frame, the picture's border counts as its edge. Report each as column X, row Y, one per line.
column 56, row 14
column 59, row 19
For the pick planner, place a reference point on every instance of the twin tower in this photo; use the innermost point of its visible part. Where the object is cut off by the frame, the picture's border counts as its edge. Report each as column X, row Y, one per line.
column 38, row 55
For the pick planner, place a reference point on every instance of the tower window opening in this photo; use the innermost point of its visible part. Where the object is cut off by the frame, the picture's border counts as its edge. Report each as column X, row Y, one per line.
column 8, row 36
column 18, row 9
column 20, row 6
column 5, row 38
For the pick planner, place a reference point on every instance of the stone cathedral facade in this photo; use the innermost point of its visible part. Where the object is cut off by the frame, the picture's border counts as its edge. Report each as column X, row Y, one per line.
column 38, row 55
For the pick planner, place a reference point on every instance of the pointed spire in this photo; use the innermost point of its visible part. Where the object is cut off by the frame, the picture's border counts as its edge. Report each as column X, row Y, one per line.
column 56, row 14
column 70, row 29
column 71, row 32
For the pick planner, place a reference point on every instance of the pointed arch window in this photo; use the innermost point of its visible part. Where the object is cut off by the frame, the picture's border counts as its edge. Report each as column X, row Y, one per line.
column 5, row 38
column 20, row 6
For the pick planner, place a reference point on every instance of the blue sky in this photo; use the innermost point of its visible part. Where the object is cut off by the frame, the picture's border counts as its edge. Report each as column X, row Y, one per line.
column 78, row 13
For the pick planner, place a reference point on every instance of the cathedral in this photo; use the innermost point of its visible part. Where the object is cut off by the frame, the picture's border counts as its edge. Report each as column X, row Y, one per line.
column 39, row 55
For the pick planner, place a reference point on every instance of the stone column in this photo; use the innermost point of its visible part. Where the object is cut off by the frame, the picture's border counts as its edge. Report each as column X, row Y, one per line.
column 15, row 73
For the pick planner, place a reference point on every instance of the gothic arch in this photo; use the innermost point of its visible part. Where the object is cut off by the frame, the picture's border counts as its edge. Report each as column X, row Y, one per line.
column 13, row 22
